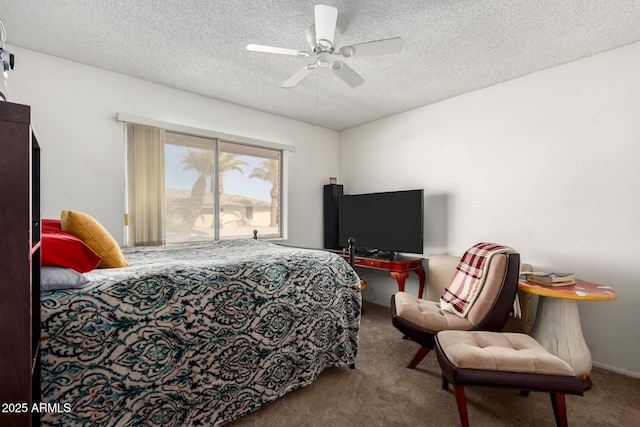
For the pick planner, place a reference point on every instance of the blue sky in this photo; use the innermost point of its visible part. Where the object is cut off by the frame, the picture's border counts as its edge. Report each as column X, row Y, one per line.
column 234, row 181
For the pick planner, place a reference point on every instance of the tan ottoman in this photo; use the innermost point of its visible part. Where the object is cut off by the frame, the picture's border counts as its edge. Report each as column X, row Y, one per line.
column 506, row 360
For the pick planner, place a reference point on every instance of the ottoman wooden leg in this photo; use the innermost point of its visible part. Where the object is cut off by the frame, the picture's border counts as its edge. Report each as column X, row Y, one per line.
column 559, row 409
column 461, row 401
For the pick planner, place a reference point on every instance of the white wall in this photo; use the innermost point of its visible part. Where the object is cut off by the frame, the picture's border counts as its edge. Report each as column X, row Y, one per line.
column 547, row 164
column 74, row 108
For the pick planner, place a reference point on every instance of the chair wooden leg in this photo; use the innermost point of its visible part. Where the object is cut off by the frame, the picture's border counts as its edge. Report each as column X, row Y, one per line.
column 418, row 357
column 559, row 409
column 461, row 401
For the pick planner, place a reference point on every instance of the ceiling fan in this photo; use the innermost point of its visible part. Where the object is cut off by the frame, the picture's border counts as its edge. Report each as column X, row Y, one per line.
column 321, row 37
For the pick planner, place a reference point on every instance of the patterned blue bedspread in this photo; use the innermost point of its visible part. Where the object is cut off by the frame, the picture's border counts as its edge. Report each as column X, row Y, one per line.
column 196, row 334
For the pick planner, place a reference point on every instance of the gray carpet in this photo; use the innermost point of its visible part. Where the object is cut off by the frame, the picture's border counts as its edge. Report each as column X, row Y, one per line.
column 381, row 391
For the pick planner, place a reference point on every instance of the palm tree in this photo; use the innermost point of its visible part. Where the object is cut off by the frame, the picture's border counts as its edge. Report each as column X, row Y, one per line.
column 228, row 162
column 201, row 161
column 269, row 170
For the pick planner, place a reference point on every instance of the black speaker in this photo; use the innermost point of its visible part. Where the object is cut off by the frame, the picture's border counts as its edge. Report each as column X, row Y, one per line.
column 332, row 193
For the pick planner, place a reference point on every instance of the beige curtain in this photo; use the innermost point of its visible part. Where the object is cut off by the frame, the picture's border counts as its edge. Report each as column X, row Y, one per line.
column 146, row 188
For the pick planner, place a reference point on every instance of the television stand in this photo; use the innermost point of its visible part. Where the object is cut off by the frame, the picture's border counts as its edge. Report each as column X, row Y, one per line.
column 398, row 266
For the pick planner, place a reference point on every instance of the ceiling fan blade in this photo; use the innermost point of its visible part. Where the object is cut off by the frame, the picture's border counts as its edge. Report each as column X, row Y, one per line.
column 299, row 76
column 378, row 47
column 278, row 50
column 326, row 18
column 347, row 74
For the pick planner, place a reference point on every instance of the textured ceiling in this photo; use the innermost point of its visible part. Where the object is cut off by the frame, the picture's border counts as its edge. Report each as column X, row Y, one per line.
column 450, row 47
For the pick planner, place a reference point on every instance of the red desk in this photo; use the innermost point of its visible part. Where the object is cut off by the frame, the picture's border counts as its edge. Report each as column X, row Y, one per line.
column 399, row 268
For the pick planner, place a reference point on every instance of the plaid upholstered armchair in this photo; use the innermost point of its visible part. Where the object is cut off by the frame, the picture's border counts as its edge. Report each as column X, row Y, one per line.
column 480, row 296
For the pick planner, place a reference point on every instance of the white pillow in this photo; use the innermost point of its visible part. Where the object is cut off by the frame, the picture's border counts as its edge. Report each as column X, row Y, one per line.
column 54, row 278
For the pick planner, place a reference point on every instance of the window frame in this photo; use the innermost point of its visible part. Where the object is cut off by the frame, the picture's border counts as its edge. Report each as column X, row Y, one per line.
column 218, row 137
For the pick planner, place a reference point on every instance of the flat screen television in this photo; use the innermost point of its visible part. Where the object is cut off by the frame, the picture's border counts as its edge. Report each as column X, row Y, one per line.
column 387, row 222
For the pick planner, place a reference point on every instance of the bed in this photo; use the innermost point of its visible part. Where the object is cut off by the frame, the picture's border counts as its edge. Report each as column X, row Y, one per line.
column 195, row 334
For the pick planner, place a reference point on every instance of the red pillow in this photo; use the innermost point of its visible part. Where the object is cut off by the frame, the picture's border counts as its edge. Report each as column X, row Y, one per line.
column 49, row 225
column 66, row 250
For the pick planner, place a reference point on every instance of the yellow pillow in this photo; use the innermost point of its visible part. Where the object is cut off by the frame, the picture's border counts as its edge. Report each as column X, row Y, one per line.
column 95, row 236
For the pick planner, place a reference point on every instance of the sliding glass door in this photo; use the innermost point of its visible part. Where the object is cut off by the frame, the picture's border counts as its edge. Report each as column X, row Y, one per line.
column 213, row 189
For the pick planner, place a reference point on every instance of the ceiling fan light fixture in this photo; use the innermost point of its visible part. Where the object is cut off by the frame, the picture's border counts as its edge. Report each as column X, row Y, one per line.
column 324, row 60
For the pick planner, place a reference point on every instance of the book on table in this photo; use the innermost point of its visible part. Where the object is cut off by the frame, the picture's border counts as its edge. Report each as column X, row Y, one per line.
column 551, row 279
